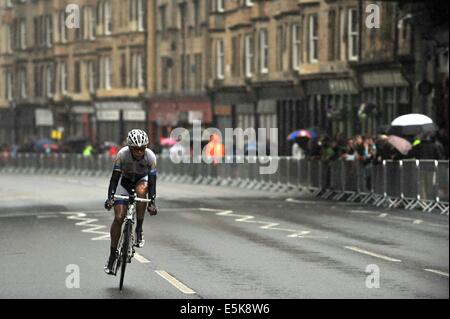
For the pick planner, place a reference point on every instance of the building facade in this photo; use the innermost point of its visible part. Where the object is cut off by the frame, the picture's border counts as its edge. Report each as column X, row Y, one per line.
column 80, row 69
column 340, row 66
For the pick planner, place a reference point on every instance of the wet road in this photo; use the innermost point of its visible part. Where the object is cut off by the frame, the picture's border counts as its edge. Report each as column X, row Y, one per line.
column 211, row 242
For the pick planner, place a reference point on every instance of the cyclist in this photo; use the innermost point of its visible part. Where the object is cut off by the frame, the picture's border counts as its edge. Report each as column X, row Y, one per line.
column 134, row 168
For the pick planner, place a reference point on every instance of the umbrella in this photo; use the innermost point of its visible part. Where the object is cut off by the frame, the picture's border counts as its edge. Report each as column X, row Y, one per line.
column 299, row 133
column 167, row 141
column 402, row 145
column 412, row 124
column 43, row 144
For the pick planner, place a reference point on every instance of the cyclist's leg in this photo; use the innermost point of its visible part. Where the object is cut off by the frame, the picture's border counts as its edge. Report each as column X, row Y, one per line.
column 120, row 211
column 141, row 191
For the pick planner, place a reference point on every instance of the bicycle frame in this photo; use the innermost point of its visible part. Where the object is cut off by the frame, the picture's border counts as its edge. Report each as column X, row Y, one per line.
column 127, row 238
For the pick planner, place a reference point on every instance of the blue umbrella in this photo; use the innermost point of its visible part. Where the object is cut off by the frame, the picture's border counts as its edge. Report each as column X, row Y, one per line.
column 42, row 144
column 310, row 133
column 299, row 133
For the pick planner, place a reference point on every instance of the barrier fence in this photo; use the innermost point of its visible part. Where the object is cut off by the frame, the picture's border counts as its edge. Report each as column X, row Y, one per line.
column 408, row 184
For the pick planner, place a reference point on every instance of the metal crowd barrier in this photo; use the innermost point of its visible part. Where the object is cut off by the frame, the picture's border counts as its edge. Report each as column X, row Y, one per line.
column 408, row 184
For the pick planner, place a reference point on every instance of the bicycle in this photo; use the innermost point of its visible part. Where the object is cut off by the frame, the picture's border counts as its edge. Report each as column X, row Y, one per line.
column 125, row 251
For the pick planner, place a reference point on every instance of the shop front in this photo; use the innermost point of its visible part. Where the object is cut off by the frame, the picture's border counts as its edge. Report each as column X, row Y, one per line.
column 166, row 114
column 114, row 119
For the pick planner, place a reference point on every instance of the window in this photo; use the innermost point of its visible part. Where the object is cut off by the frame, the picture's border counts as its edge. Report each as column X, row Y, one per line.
column 137, row 67
column 123, row 70
column 296, row 47
column 353, row 35
column 183, row 60
column 9, row 38
column 107, row 17
column 197, row 28
column 77, row 74
column 91, row 76
column 182, row 10
column 220, row 59
column 236, row 54
column 163, row 24
column 9, row 3
column 49, row 81
column 86, row 20
column 93, row 23
column 23, row 82
column 140, row 71
column 249, row 62
column 219, row 6
column 63, row 77
column 108, row 73
column 264, row 52
column 249, row 3
column 62, row 26
column 198, row 71
column 140, row 15
column 23, row 34
column 9, row 85
column 164, row 73
column 332, row 55
column 313, row 39
column 49, row 31
column 280, row 41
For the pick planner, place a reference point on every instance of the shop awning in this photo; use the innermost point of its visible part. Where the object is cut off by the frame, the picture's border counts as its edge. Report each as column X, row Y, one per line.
column 384, row 79
column 331, row 87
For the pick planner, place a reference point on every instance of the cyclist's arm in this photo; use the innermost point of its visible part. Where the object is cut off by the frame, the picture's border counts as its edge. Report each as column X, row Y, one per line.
column 114, row 181
column 152, row 184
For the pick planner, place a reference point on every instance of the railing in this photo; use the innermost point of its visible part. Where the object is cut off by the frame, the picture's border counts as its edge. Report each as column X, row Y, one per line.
column 408, row 184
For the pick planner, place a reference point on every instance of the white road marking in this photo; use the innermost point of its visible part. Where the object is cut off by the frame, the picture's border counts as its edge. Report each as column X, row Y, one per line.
column 141, row 258
column 418, row 221
column 372, row 254
column 383, row 215
column 356, row 211
column 402, row 218
column 214, row 210
column 175, row 282
column 291, row 200
column 267, row 225
column 93, row 228
column 437, row 272
column 47, row 216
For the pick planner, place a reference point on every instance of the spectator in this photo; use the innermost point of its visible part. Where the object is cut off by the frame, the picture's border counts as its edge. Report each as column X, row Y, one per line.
column 425, row 148
column 87, row 151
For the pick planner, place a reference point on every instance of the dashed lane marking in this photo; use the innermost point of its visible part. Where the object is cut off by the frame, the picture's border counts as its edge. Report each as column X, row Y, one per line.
column 175, row 282
column 437, row 272
column 365, row 252
column 141, row 258
column 266, row 225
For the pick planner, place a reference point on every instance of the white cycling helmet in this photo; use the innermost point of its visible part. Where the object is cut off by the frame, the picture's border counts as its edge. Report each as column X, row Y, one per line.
column 137, row 138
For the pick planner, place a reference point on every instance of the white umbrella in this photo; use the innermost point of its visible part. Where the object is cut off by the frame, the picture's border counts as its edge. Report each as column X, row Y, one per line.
column 412, row 124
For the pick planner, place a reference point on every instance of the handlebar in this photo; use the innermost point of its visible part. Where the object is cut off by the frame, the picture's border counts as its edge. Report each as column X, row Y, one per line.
column 136, row 199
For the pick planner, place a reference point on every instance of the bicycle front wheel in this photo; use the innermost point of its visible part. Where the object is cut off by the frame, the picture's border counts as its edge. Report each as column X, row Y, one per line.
column 124, row 251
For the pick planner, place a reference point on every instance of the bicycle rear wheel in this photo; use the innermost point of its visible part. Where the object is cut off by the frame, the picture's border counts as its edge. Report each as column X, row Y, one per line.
column 124, row 251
